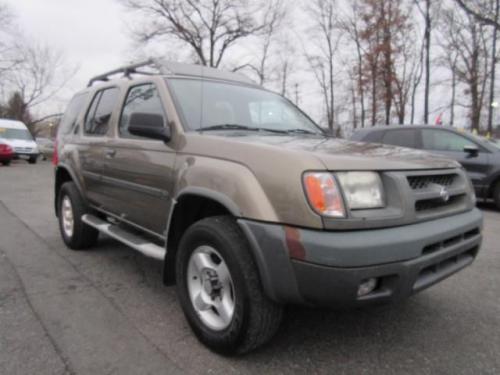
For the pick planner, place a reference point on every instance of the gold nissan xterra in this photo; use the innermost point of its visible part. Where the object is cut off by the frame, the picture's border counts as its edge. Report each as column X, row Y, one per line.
column 249, row 204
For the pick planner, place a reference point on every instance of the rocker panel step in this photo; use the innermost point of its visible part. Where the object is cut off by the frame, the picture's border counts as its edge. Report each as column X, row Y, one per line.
column 138, row 243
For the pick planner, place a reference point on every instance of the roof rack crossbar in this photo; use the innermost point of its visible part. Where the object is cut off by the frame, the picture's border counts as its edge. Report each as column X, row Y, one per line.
column 127, row 71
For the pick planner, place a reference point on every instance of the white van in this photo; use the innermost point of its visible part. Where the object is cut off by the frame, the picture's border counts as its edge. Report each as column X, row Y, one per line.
column 18, row 137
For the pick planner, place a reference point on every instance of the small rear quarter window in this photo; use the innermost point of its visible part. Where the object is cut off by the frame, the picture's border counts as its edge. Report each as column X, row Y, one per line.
column 70, row 118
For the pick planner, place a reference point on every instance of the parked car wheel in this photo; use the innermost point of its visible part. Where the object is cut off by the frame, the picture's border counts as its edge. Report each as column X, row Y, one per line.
column 219, row 288
column 6, row 162
column 496, row 195
column 76, row 234
column 33, row 159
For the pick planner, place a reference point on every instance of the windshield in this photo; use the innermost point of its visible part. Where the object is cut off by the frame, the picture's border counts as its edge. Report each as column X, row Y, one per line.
column 22, row 134
column 490, row 141
column 208, row 105
column 494, row 142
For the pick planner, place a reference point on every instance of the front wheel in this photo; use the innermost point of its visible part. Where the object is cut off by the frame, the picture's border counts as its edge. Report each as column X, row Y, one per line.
column 219, row 288
column 32, row 159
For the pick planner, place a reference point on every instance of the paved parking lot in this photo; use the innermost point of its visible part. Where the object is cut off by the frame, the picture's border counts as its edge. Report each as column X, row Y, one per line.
column 106, row 310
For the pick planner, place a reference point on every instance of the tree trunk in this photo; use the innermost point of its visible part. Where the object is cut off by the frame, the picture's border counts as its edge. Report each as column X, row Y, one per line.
column 360, row 82
column 332, row 95
column 493, row 69
column 427, row 60
column 453, row 94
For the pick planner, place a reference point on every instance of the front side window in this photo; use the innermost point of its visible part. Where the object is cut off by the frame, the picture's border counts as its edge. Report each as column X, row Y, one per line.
column 401, row 138
column 100, row 111
column 441, row 140
column 141, row 99
column 206, row 104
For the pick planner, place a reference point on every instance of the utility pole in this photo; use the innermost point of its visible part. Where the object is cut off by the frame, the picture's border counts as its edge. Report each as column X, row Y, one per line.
column 491, row 106
column 296, row 94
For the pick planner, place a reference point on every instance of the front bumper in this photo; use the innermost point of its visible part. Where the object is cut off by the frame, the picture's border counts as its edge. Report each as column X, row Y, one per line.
column 26, row 155
column 326, row 268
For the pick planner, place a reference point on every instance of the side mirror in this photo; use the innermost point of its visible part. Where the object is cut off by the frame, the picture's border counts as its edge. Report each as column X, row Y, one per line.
column 149, row 125
column 471, row 150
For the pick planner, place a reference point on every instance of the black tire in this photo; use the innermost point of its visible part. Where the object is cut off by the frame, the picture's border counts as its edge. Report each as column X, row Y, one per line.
column 6, row 162
column 33, row 159
column 83, row 236
column 256, row 318
column 496, row 195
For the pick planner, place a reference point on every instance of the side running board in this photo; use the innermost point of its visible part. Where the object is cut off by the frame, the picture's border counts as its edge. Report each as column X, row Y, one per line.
column 134, row 241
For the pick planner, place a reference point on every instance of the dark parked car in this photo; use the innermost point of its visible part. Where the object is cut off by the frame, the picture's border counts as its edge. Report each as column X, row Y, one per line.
column 479, row 156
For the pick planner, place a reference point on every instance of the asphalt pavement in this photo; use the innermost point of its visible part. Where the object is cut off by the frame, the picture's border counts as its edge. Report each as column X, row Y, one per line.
column 105, row 310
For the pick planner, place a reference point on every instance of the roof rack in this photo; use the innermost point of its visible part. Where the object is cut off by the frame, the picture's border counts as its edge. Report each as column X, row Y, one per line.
column 127, row 71
column 166, row 67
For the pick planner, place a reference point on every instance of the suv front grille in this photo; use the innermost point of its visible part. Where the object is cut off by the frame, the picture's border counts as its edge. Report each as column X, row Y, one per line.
column 23, row 149
column 436, row 203
column 423, row 182
column 438, row 193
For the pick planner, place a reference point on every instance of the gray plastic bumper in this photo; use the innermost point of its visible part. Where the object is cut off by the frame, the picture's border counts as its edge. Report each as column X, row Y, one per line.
column 326, row 268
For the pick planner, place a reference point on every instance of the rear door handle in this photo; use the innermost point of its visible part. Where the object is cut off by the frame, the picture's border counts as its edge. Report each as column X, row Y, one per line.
column 110, row 153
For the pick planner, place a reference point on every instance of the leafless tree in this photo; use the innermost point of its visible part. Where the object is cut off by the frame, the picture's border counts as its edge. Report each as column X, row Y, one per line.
column 8, row 57
column 40, row 74
column 209, row 27
column 386, row 33
column 407, row 71
column 326, row 37
column 425, row 10
column 486, row 12
column 482, row 10
column 351, row 23
column 464, row 35
column 261, row 66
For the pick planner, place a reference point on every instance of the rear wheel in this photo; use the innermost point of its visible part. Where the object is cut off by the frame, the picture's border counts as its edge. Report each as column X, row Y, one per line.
column 220, row 290
column 76, row 234
column 496, row 195
column 5, row 162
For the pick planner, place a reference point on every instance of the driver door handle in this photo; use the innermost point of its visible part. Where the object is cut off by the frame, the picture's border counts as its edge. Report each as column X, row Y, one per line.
column 110, row 153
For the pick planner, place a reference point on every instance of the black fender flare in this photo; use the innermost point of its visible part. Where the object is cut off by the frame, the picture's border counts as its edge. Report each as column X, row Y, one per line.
column 72, row 174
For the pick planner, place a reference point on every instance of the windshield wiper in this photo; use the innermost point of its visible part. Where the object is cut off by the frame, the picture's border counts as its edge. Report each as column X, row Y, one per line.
column 300, row 131
column 228, row 127
column 254, row 129
column 240, row 127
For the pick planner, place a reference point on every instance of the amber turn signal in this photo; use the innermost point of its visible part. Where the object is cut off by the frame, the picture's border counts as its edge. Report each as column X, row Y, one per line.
column 323, row 194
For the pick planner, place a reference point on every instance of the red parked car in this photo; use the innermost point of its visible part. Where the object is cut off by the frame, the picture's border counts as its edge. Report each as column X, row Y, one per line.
column 6, row 154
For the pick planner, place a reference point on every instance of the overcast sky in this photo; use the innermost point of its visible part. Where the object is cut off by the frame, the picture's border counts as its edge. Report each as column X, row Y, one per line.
column 93, row 37
column 91, row 34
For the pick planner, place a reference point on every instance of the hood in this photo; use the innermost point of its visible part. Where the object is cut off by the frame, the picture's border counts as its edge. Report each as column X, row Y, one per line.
column 19, row 143
column 338, row 154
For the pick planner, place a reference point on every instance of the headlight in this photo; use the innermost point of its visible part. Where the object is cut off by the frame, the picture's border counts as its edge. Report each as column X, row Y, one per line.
column 323, row 194
column 362, row 190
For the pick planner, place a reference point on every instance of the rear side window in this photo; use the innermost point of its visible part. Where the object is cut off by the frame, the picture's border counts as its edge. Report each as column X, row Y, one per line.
column 75, row 106
column 142, row 99
column 100, row 111
column 402, row 138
